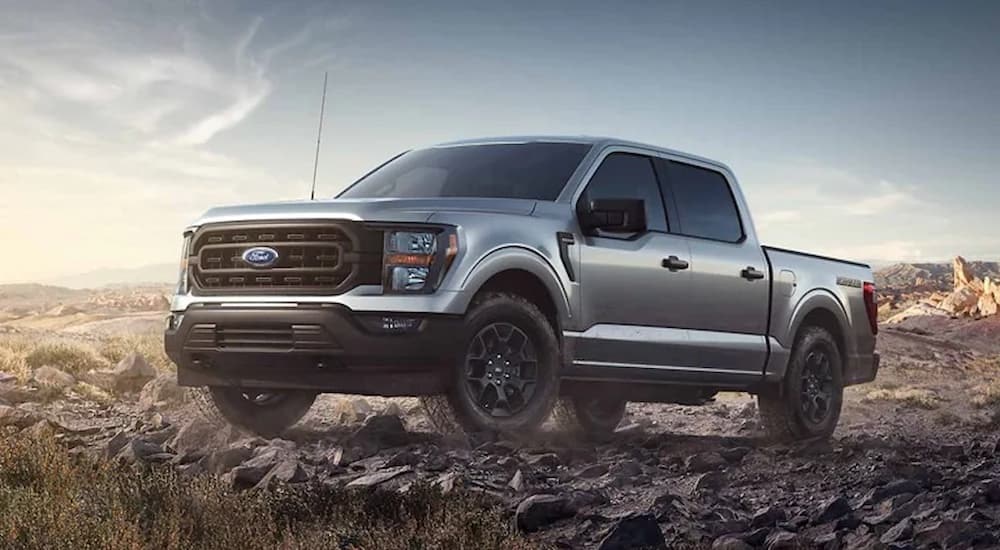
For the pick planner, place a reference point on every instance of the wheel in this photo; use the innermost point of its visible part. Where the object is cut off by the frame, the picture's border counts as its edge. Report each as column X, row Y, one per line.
column 507, row 378
column 590, row 415
column 807, row 404
column 265, row 413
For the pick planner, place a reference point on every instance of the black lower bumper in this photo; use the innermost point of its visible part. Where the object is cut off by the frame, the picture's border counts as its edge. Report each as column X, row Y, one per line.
column 322, row 348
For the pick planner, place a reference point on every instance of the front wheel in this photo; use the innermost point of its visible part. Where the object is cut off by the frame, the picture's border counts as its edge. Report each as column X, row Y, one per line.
column 807, row 404
column 266, row 413
column 506, row 379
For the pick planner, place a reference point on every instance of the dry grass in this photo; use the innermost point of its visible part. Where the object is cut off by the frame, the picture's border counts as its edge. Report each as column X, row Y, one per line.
column 987, row 395
column 20, row 354
column 149, row 345
column 50, row 499
column 911, row 397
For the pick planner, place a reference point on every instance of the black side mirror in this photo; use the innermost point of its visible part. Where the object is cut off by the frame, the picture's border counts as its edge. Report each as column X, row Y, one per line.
column 614, row 215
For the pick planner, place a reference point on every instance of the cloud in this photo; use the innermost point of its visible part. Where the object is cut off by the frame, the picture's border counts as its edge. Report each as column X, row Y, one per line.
column 886, row 197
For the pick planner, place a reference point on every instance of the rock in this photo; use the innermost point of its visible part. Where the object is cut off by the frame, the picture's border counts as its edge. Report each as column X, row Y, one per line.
column 592, row 471
column 251, row 472
column 381, row 431
column 516, row 483
column 729, row 542
column 893, row 509
column 17, row 417
column 392, row 409
column 404, row 458
column 705, row 462
column 710, row 481
column 128, row 376
column 897, row 487
column 446, row 482
column 547, row 460
column 198, row 436
column 897, row 533
column 767, row 517
column 537, row 511
column 626, row 469
column 288, row 470
column 437, row 463
column 962, row 301
column 161, row 392
column 351, row 411
column 781, row 539
column 917, row 310
column 225, row 460
column 39, row 430
column 991, row 491
column 735, row 454
column 945, row 533
column 52, row 378
column 140, row 449
column 380, row 477
column 833, row 508
column 116, row 444
column 634, row 531
column 828, row 541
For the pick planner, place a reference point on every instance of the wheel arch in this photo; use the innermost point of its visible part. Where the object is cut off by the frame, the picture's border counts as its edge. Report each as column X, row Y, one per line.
column 524, row 272
column 821, row 309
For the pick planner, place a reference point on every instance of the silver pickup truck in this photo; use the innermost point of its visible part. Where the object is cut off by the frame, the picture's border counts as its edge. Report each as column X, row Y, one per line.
column 508, row 280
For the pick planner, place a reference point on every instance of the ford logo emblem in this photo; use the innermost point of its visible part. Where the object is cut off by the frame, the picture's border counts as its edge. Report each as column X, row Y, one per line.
column 260, row 256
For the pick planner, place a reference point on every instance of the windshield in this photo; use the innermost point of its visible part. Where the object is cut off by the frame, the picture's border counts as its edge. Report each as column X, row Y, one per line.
column 535, row 171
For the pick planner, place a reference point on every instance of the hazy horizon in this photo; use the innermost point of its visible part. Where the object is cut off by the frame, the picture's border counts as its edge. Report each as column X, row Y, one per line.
column 856, row 130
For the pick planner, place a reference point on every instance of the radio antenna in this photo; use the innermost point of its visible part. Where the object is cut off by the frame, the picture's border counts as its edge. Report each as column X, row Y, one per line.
column 319, row 136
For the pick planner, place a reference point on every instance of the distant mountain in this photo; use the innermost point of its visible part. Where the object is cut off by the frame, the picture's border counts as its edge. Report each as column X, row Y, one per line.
column 148, row 274
column 928, row 276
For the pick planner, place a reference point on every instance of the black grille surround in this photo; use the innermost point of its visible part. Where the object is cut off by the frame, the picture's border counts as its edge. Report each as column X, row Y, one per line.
column 314, row 257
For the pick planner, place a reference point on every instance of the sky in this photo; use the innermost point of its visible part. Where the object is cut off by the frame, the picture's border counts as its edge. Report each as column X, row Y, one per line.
column 861, row 129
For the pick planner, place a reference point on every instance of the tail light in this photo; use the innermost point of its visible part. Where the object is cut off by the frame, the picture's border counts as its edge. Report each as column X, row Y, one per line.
column 871, row 306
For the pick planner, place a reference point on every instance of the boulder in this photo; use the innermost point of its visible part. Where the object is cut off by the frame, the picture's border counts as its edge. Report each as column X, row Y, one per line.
column 251, row 472
column 379, row 477
column 537, row 511
column 833, row 508
column 128, row 376
column 161, row 392
column 729, row 542
column 705, row 462
column 962, row 301
column 52, row 378
column 767, row 517
column 17, row 417
column 781, row 539
column 381, row 432
column 199, row 436
column 634, row 531
column 351, row 410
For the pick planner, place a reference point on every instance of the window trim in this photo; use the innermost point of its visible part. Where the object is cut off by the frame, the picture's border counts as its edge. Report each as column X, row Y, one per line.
column 589, row 176
column 675, row 208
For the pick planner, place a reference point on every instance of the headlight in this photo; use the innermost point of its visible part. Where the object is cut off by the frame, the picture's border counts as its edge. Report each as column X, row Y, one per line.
column 182, row 275
column 415, row 261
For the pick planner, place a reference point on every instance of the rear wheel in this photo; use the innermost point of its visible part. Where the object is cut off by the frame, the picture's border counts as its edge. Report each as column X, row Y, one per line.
column 506, row 380
column 807, row 404
column 590, row 415
column 267, row 413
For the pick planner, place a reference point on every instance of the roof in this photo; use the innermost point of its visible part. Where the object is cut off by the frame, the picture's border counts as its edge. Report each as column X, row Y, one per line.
column 602, row 141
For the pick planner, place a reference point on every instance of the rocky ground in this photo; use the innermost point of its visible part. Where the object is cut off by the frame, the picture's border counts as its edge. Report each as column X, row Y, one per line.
column 914, row 463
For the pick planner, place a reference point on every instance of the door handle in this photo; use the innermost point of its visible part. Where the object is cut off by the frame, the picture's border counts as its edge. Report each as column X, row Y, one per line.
column 750, row 273
column 673, row 263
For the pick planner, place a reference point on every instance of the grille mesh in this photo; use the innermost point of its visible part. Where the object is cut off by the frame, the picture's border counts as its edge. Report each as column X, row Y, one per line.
column 326, row 258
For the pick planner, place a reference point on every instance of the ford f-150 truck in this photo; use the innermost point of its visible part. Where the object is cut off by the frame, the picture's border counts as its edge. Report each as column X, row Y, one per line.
column 504, row 280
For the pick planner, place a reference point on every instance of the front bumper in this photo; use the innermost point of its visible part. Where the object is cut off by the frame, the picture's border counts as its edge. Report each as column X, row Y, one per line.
column 322, row 347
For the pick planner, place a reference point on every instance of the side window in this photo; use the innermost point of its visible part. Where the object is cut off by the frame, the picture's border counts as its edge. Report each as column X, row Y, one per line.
column 705, row 204
column 628, row 176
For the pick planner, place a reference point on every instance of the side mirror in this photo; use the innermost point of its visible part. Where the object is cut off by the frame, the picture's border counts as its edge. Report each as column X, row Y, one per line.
column 614, row 215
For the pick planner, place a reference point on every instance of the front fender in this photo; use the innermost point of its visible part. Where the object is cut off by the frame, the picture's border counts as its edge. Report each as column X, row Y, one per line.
column 517, row 258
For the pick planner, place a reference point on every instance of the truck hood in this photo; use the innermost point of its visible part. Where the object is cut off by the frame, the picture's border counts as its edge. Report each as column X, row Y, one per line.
column 374, row 210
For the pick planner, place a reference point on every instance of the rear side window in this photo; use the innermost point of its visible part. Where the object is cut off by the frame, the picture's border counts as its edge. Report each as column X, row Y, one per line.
column 705, row 204
column 628, row 176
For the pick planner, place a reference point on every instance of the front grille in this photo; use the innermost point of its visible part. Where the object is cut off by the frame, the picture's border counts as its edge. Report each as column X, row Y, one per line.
column 313, row 258
column 272, row 337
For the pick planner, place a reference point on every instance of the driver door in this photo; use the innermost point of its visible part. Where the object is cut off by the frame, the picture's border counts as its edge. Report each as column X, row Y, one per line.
column 634, row 287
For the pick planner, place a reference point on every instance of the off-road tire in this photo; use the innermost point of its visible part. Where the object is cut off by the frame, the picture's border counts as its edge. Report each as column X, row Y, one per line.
column 781, row 410
column 502, row 307
column 439, row 413
column 575, row 415
column 221, row 405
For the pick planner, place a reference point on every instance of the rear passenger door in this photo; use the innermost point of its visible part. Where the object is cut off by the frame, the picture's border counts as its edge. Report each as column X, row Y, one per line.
column 729, row 274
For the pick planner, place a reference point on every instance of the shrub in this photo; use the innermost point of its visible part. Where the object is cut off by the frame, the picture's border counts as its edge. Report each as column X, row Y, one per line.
column 914, row 397
column 51, row 499
column 72, row 358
